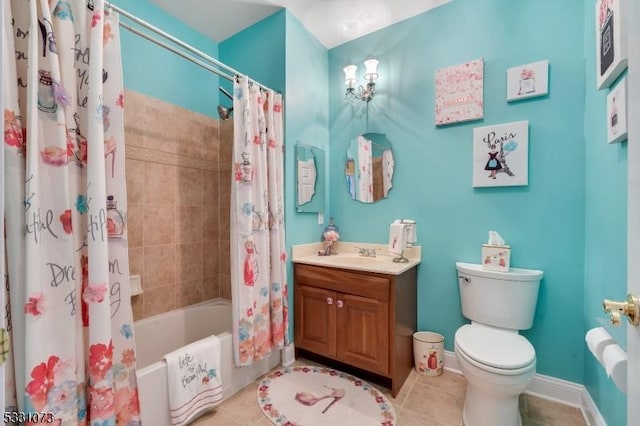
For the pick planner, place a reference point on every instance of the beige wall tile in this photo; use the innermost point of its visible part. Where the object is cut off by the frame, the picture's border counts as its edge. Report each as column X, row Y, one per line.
column 133, row 137
column 188, row 224
column 159, row 184
column 224, row 225
column 135, row 218
column 159, row 300
column 136, row 261
column 159, row 266
column 159, row 123
column 172, row 170
column 225, row 187
column 189, row 134
column 137, row 307
column 210, row 225
column 225, row 259
column 189, row 185
column 134, row 118
column 210, row 139
column 188, row 293
column 188, row 261
column 210, row 259
column 134, row 172
column 210, row 188
column 159, row 225
column 226, row 144
column 210, row 288
column 225, row 286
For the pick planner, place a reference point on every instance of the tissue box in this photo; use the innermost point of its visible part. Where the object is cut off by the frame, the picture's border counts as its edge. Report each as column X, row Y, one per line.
column 496, row 258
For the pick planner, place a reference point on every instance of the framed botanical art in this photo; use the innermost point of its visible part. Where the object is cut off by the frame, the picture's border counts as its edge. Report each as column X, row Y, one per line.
column 617, row 113
column 611, row 40
column 501, row 155
column 459, row 93
column 528, row 81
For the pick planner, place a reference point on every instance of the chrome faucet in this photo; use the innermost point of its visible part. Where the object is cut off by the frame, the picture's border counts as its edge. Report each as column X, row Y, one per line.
column 364, row 252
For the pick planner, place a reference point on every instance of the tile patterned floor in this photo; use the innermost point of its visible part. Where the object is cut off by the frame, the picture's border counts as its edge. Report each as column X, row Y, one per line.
column 422, row 401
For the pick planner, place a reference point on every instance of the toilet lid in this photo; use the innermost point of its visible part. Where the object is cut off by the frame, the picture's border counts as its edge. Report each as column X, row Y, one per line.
column 495, row 348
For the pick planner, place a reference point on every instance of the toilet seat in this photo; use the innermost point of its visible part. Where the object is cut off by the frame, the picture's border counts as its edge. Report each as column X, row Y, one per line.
column 495, row 350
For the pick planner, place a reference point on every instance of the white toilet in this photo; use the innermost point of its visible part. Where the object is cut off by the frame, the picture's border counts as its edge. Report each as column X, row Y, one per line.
column 497, row 362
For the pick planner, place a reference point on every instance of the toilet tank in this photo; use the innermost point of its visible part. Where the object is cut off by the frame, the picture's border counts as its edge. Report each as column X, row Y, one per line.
column 501, row 299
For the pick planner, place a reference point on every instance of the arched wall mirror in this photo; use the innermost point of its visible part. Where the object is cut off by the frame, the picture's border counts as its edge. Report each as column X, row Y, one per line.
column 309, row 178
column 369, row 167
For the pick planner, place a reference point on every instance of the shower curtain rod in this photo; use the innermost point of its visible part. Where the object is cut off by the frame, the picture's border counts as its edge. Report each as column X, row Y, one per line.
column 180, row 43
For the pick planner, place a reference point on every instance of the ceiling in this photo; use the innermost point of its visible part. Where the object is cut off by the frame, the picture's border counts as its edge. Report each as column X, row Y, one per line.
column 332, row 22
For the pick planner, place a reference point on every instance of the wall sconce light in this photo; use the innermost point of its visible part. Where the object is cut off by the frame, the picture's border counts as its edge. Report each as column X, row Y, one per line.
column 371, row 74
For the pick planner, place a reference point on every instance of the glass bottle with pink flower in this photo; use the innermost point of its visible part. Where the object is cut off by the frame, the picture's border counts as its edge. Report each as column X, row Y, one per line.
column 330, row 236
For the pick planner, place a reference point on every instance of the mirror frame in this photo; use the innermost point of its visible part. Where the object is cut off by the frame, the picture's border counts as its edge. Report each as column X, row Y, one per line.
column 380, row 142
column 317, row 202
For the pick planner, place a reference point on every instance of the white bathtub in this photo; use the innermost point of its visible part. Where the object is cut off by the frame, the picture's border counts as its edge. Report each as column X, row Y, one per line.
column 164, row 333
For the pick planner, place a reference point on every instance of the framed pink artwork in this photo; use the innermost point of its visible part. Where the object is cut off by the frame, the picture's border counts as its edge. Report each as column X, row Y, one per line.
column 459, row 93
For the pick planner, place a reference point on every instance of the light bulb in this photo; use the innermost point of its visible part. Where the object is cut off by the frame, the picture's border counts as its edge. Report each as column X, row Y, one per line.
column 350, row 75
column 371, row 72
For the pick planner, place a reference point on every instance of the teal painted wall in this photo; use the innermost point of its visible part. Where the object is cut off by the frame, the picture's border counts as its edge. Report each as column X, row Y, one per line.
column 307, row 121
column 543, row 222
column 157, row 72
column 259, row 52
column 605, row 272
column 573, row 172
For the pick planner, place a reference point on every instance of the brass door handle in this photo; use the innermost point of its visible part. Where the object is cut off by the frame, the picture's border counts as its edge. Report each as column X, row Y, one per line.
column 630, row 308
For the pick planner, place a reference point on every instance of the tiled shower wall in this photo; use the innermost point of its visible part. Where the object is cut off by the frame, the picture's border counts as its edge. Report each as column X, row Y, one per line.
column 178, row 204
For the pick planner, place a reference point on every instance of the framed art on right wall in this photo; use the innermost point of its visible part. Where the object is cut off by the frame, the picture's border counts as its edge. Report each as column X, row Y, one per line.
column 611, row 41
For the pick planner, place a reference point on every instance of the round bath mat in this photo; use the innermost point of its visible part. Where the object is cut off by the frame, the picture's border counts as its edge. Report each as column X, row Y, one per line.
column 309, row 396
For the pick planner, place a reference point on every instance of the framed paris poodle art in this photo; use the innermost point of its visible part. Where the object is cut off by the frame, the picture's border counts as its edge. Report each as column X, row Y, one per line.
column 528, row 81
column 611, row 41
column 501, row 155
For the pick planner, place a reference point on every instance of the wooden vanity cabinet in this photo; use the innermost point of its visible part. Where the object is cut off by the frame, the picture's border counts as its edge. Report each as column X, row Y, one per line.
column 359, row 319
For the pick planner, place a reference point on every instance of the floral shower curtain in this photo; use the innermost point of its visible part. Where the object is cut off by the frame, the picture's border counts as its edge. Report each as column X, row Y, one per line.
column 258, row 253
column 65, row 209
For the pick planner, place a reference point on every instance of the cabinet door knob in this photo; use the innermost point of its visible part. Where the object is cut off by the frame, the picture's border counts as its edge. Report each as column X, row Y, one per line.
column 329, row 300
column 340, row 304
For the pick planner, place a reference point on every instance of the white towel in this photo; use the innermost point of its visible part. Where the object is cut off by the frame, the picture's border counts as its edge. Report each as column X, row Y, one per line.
column 193, row 374
column 397, row 238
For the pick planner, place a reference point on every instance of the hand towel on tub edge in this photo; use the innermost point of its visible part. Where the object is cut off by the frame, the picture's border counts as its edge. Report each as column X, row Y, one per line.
column 193, row 374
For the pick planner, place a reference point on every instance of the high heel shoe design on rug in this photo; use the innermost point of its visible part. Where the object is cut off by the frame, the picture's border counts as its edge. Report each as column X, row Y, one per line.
column 308, row 399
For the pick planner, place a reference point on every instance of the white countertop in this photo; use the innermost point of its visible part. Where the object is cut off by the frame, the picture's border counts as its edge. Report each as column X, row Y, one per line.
column 347, row 257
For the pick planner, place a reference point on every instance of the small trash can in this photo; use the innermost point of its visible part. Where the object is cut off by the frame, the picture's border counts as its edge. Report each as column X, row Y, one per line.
column 428, row 352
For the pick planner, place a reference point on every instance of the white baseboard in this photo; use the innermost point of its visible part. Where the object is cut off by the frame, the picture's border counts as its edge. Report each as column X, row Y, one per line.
column 550, row 388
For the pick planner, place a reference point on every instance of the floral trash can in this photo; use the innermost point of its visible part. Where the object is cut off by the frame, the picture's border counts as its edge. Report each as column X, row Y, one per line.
column 428, row 352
